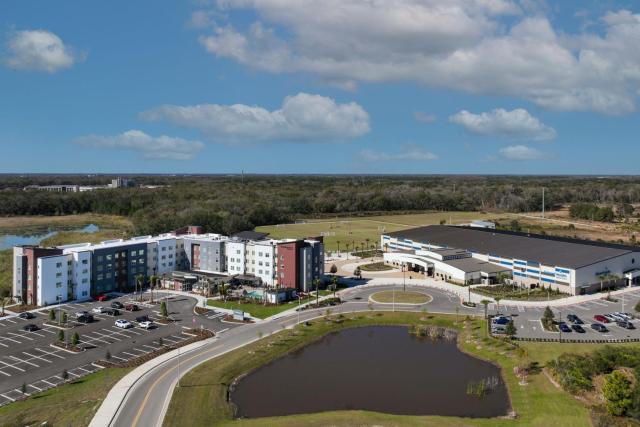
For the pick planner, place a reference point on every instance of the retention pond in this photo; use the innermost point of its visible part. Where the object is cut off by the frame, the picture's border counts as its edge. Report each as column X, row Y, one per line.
column 377, row 368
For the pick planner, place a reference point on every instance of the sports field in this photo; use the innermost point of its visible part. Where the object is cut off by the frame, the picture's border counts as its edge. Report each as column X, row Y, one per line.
column 356, row 231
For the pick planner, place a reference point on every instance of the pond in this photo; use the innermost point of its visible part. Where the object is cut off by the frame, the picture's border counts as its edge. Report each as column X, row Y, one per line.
column 378, row 368
column 7, row 241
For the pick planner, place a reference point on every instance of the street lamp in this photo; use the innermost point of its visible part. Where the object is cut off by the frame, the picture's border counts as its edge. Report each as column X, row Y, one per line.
column 404, row 282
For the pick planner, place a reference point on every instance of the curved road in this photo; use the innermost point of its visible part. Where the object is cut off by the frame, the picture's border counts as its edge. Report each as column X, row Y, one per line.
column 146, row 402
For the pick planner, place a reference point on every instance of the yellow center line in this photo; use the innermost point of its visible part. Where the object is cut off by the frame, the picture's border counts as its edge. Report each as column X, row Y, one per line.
column 155, row 383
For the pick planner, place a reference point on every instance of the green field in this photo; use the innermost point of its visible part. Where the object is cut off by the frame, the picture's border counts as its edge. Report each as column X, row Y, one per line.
column 72, row 404
column 202, row 399
column 356, row 230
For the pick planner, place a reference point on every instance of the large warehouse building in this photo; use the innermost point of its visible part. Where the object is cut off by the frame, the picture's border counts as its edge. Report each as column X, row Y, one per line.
column 481, row 255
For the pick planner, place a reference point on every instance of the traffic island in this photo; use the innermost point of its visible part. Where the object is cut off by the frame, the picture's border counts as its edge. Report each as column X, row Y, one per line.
column 400, row 297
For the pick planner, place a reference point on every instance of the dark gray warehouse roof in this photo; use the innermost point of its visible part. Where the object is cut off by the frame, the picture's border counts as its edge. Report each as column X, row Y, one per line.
column 548, row 250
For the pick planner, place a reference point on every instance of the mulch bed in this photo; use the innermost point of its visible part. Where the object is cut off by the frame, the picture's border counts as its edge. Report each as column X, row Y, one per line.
column 59, row 325
column 21, row 308
column 229, row 318
column 69, row 347
column 198, row 335
column 201, row 310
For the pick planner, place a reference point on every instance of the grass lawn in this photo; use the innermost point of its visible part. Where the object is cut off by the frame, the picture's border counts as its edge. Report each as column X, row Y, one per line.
column 408, row 297
column 376, row 266
column 357, row 229
column 256, row 309
column 202, row 399
column 72, row 404
column 26, row 224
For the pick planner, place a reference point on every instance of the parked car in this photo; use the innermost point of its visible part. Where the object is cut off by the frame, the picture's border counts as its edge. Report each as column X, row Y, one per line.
column 30, row 327
column 79, row 314
column 99, row 310
column 575, row 319
column 131, row 307
column 617, row 317
column 599, row 327
column 117, row 304
column 146, row 325
column 143, row 318
column 624, row 316
column 625, row 324
column 501, row 320
column 610, row 317
column 26, row 315
column 577, row 328
column 564, row 327
column 600, row 318
column 85, row 318
column 111, row 311
column 629, row 316
column 124, row 324
column 102, row 298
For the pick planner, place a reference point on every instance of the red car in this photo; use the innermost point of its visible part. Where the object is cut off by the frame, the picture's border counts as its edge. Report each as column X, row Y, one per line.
column 601, row 318
column 102, row 298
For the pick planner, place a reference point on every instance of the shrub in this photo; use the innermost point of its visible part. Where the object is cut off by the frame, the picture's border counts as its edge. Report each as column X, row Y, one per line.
column 617, row 392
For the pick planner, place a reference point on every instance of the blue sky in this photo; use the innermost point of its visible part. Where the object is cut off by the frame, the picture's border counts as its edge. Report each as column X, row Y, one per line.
column 275, row 86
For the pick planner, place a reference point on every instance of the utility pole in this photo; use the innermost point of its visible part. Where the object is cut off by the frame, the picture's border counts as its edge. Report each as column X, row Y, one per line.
column 542, row 202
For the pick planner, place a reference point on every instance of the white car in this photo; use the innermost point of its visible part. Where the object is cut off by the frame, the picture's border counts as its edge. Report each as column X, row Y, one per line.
column 98, row 310
column 124, row 324
column 146, row 324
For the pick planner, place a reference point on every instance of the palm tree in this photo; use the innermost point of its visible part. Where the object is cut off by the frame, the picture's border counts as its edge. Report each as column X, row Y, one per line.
column 139, row 283
column 485, row 302
column 334, row 285
column 3, row 302
column 497, row 299
column 153, row 280
column 316, row 282
column 338, row 242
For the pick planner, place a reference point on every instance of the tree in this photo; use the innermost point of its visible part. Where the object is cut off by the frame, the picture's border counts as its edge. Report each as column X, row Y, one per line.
column 153, row 281
column 333, row 269
column 65, row 375
column 52, row 315
column 61, row 335
column 163, row 309
column 510, row 329
column 160, row 342
column 618, row 392
column 63, row 317
column 358, row 272
column 637, row 308
column 107, row 356
column 3, row 302
column 548, row 314
column 75, row 339
column 139, row 283
column 485, row 302
column 23, row 389
column 497, row 300
column 334, row 285
column 316, row 282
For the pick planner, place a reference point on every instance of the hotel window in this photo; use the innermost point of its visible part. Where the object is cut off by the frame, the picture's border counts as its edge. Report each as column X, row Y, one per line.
column 58, row 284
column 99, row 277
column 84, row 261
column 58, row 274
column 58, row 264
column 100, row 258
column 109, row 257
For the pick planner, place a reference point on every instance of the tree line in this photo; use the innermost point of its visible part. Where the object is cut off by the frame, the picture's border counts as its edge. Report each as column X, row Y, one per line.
column 227, row 204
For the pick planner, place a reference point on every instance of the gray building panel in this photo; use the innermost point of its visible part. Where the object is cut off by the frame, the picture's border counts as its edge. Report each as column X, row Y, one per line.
column 115, row 268
column 548, row 250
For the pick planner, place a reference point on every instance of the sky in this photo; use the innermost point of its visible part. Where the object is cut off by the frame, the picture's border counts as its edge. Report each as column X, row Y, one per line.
column 303, row 86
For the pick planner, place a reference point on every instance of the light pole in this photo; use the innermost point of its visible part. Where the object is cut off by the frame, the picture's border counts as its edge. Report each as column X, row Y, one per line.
column 404, row 282
column 59, row 298
column 298, row 309
column 178, row 367
column 393, row 286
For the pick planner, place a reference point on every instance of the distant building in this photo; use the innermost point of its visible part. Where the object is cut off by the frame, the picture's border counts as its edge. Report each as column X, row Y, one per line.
column 482, row 224
column 74, row 188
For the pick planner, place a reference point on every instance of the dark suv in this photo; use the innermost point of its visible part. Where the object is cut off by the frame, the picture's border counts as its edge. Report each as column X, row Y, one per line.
column 144, row 318
column 26, row 315
column 117, row 304
column 85, row 318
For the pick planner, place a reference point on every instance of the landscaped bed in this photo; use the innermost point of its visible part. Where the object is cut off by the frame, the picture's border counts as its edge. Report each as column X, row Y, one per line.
column 511, row 293
column 257, row 309
column 376, row 266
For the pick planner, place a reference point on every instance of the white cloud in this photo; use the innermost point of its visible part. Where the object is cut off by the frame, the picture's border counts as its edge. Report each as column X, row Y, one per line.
column 38, row 50
column 458, row 44
column 423, row 117
column 409, row 153
column 149, row 147
column 301, row 118
column 517, row 124
column 520, row 152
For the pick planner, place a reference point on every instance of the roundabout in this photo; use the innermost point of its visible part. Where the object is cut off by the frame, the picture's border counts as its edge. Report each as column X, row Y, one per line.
column 400, row 297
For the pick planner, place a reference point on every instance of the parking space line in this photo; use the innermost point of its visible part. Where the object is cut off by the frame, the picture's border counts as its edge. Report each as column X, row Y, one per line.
column 11, row 366
column 7, row 397
column 118, row 333
column 116, row 357
column 11, row 339
column 150, row 346
column 50, row 353
column 82, row 369
column 37, row 388
column 4, row 373
column 4, row 345
column 139, row 349
column 51, row 384
column 130, row 354
column 24, row 361
column 20, row 336
column 10, row 321
column 37, row 357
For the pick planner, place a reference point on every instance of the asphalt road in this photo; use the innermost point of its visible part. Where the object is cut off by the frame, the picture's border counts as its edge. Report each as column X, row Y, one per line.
column 29, row 358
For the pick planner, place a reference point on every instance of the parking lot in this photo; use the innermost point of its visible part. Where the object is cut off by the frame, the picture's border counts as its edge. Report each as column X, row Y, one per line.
column 527, row 319
column 29, row 358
